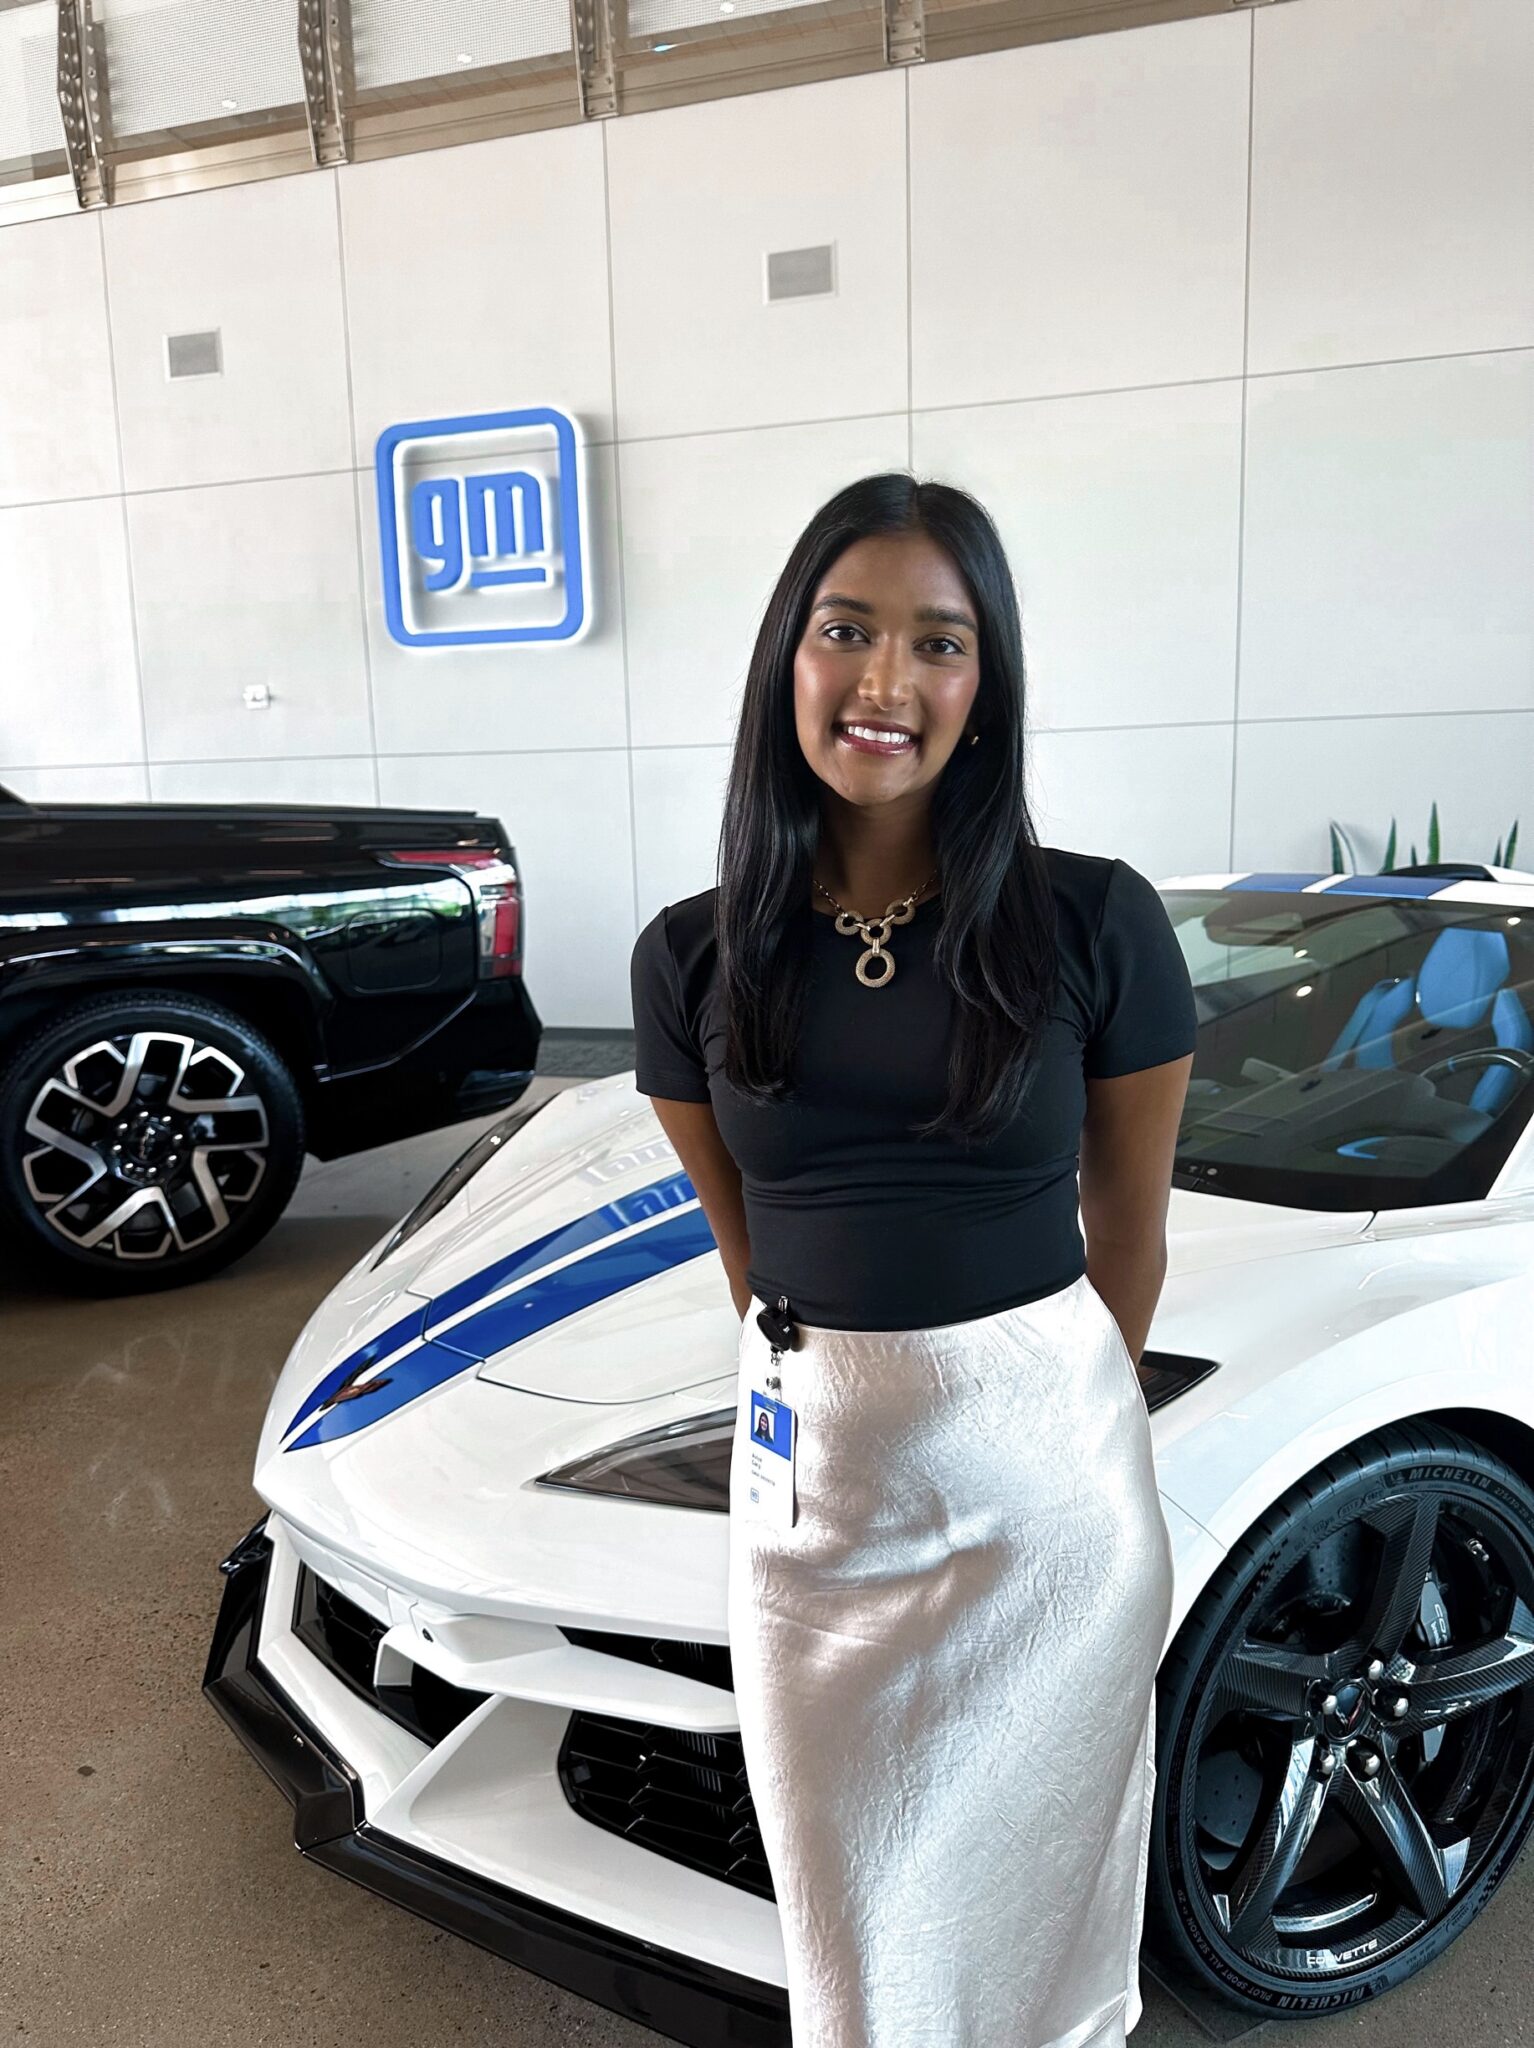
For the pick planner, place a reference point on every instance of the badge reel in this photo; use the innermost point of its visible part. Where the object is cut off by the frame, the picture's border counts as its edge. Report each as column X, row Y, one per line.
column 768, row 1494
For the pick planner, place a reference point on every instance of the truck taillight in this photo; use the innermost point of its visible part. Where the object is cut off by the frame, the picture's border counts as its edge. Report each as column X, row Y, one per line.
column 493, row 884
column 499, row 903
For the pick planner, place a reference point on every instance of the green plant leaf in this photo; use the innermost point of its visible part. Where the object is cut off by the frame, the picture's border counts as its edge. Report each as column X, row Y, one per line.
column 1390, row 850
column 1432, row 833
column 1344, row 853
column 1512, row 841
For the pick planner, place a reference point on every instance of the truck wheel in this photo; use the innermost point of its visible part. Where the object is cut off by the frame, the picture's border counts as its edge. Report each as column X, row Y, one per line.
column 146, row 1139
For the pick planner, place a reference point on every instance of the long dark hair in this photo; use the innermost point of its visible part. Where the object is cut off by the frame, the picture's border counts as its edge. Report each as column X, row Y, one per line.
column 996, row 941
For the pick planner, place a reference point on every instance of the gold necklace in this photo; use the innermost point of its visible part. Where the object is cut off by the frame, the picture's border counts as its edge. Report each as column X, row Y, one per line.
column 875, row 930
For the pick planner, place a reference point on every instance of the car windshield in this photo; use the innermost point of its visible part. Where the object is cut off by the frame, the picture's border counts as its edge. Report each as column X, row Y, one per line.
column 1354, row 1050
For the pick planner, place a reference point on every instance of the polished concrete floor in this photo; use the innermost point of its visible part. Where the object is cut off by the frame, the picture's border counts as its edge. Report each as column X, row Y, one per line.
column 149, row 1890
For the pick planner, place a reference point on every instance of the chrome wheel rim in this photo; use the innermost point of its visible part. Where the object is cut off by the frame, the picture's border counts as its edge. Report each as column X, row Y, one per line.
column 149, row 1144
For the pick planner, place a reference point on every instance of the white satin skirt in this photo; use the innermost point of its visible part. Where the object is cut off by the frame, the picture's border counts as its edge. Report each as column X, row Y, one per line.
column 945, row 1677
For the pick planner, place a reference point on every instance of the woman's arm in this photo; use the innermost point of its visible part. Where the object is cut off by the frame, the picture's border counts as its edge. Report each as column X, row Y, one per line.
column 1128, row 1137
column 708, row 1164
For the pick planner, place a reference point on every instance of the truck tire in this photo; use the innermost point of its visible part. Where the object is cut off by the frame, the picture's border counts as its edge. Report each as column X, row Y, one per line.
column 147, row 1138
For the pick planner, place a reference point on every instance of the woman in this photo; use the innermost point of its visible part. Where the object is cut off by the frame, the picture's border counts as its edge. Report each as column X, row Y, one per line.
column 944, row 1662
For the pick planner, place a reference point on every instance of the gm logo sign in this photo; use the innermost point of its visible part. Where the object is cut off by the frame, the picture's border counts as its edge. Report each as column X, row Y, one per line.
column 483, row 526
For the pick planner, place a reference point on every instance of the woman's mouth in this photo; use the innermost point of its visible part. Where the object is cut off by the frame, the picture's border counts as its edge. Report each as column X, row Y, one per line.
column 871, row 739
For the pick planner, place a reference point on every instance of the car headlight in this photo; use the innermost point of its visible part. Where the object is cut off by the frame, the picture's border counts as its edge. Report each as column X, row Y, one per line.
column 679, row 1465
column 459, row 1174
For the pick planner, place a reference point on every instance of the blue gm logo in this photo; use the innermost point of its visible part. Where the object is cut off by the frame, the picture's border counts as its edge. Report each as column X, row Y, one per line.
column 483, row 529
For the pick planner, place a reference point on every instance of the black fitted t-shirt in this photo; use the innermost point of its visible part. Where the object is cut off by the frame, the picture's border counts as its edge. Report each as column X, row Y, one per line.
column 861, row 1223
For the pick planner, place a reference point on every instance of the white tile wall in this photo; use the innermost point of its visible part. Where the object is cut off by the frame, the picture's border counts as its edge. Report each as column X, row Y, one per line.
column 678, row 809
column 246, row 584
column 318, row 781
column 58, row 434
column 126, row 782
column 1157, row 795
column 1264, row 482
column 261, row 264
column 68, row 684
column 1294, row 775
column 1392, row 181
column 1390, row 538
column 699, row 195
column 476, row 280
column 1078, row 213
column 1120, row 514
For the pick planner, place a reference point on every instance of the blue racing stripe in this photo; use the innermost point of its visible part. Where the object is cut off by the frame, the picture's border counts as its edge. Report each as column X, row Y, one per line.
column 668, row 1192
column 606, row 1272
column 620, row 1214
column 406, row 1331
column 428, row 1366
column 1393, row 885
column 1273, row 881
column 617, row 1266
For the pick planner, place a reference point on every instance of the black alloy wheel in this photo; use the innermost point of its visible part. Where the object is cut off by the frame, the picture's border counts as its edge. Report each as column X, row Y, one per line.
column 1346, row 1729
column 146, row 1139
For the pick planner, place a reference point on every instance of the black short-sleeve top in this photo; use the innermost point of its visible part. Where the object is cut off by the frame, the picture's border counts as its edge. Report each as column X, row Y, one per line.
column 861, row 1223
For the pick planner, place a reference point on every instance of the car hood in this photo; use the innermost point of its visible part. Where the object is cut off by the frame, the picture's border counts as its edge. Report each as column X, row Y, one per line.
column 1216, row 1230
column 577, row 1266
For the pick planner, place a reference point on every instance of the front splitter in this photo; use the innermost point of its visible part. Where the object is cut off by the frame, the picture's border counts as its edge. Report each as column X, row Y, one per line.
column 681, row 1998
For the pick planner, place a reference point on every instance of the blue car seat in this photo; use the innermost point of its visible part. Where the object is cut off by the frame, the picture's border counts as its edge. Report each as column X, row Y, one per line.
column 1460, row 984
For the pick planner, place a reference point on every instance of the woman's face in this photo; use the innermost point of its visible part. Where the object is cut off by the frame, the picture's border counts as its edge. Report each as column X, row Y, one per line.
column 891, row 639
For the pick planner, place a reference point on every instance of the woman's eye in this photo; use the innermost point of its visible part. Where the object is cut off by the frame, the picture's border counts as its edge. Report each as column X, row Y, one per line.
column 945, row 639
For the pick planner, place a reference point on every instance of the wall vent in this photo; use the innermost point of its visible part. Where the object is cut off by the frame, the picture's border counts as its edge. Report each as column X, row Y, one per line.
column 799, row 273
column 193, row 355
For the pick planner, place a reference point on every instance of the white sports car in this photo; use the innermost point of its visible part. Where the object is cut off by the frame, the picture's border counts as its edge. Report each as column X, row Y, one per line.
column 480, row 1637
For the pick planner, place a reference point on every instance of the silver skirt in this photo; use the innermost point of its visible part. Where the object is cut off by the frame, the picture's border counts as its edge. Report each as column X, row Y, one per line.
column 945, row 1677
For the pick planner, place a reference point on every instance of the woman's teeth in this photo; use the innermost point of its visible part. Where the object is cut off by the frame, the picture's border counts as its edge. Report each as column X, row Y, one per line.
column 872, row 737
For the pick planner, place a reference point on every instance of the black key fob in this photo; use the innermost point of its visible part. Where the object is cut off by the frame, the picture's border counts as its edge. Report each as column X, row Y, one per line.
column 776, row 1324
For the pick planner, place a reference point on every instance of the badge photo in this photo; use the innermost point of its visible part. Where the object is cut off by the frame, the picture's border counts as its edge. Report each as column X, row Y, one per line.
column 768, row 1493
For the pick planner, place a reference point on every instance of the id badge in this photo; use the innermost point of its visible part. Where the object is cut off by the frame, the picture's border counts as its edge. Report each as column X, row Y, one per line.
column 767, row 1494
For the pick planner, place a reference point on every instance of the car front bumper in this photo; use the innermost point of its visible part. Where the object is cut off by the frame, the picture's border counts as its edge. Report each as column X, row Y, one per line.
column 681, row 1997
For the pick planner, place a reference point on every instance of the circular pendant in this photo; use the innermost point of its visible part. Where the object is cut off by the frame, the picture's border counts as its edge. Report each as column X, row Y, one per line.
column 876, row 930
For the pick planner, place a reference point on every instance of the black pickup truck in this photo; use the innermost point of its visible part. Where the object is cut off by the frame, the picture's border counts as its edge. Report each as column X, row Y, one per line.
column 193, row 996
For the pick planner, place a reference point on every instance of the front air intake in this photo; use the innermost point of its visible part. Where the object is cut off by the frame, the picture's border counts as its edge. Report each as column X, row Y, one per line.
column 345, row 1638
column 676, row 1791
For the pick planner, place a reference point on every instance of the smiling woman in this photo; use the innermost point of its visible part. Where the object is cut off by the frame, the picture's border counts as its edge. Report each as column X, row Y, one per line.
column 873, row 680
column 949, row 1548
